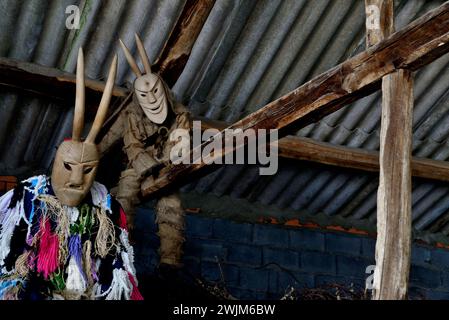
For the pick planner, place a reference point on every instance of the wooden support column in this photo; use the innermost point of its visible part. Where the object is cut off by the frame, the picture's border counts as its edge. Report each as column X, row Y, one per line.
column 394, row 228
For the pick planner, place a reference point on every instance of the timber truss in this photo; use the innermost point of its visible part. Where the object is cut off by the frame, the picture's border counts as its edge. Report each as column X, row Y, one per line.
column 387, row 64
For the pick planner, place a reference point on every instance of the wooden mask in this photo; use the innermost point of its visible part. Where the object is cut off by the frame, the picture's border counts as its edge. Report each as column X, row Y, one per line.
column 76, row 161
column 148, row 87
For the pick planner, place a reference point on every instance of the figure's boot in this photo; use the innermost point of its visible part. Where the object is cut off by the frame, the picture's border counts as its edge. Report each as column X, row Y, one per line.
column 170, row 220
column 127, row 193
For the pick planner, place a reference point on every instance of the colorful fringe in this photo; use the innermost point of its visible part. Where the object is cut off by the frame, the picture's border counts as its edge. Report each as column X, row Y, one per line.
column 62, row 246
column 47, row 258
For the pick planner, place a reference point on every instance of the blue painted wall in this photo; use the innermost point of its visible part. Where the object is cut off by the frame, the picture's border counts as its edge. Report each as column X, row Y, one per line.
column 262, row 261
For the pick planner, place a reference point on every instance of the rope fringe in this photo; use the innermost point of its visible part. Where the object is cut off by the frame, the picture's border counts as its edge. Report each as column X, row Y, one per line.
column 106, row 234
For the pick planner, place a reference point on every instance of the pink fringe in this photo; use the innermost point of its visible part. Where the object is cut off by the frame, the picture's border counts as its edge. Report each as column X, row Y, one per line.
column 122, row 223
column 135, row 295
column 47, row 258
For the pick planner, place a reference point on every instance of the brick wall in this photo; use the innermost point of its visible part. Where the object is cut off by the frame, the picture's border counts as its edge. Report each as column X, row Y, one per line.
column 7, row 183
column 261, row 261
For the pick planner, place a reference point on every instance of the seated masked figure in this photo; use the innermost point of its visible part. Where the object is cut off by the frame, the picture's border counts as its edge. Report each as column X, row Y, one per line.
column 65, row 237
column 147, row 126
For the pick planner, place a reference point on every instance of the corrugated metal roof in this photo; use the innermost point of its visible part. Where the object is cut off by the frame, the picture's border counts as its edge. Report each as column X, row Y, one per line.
column 247, row 54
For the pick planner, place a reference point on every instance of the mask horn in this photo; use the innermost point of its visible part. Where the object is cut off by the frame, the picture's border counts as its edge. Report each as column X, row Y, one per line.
column 78, row 118
column 143, row 55
column 104, row 103
column 132, row 63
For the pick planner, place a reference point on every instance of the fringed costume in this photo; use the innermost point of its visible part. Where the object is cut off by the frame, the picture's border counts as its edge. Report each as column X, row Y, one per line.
column 50, row 251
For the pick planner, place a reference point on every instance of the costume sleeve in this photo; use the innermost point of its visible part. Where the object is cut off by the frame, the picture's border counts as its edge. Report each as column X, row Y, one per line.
column 183, row 117
column 134, row 147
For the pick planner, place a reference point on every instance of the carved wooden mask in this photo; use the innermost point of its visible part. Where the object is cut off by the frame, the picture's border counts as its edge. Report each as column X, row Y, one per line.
column 76, row 161
column 148, row 87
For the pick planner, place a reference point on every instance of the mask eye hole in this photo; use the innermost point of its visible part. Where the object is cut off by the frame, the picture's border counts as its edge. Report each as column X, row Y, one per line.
column 143, row 95
column 155, row 90
column 67, row 166
column 88, row 170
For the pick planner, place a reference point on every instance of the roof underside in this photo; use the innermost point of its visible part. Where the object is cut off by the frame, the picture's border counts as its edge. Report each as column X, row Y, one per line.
column 247, row 54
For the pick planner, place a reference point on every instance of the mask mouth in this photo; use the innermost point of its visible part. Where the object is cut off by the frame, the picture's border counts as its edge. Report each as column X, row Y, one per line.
column 158, row 113
column 155, row 110
column 74, row 189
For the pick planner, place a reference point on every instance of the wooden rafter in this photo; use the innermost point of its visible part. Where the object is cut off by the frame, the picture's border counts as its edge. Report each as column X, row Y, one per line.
column 43, row 81
column 418, row 44
column 48, row 82
column 178, row 47
column 306, row 149
column 292, row 147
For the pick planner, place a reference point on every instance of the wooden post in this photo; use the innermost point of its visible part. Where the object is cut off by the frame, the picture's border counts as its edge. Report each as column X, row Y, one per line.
column 394, row 228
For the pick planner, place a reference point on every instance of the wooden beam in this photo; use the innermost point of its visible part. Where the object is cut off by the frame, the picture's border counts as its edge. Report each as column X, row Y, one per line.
column 354, row 158
column 394, row 196
column 48, row 82
column 42, row 79
column 306, row 149
column 178, row 47
column 418, row 44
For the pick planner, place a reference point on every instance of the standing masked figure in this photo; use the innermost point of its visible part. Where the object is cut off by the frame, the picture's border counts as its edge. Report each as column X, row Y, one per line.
column 65, row 237
column 146, row 126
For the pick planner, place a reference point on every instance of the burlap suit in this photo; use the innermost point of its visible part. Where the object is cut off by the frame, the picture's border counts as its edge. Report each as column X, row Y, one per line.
column 148, row 148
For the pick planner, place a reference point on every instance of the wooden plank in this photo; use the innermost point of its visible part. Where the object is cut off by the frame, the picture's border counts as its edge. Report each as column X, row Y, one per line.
column 48, row 82
column 306, row 149
column 379, row 14
column 394, row 203
column 325, row 153
column 418, row 44
column 178, row 47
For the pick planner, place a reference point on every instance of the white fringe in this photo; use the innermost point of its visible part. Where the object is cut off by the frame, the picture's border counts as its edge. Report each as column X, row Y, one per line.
column 38, row 186
column 75, row 282
column 127, row 254
column 9, row 221
column 99, row 195
column 73, row 213
column 120, row 287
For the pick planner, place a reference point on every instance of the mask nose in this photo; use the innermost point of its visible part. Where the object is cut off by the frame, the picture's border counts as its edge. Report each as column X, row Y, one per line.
column 151, row 97
column 76, row 178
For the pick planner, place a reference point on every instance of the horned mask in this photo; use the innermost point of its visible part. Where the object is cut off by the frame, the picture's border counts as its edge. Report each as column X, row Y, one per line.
column 76, row 161
column 148, row 87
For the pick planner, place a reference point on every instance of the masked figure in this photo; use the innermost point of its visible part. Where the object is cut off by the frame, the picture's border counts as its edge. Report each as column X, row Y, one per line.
column 146, row 125
column 65, row 237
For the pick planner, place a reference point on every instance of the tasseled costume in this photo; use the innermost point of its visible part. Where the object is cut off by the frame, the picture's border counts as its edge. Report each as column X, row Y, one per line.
column 52, row 252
